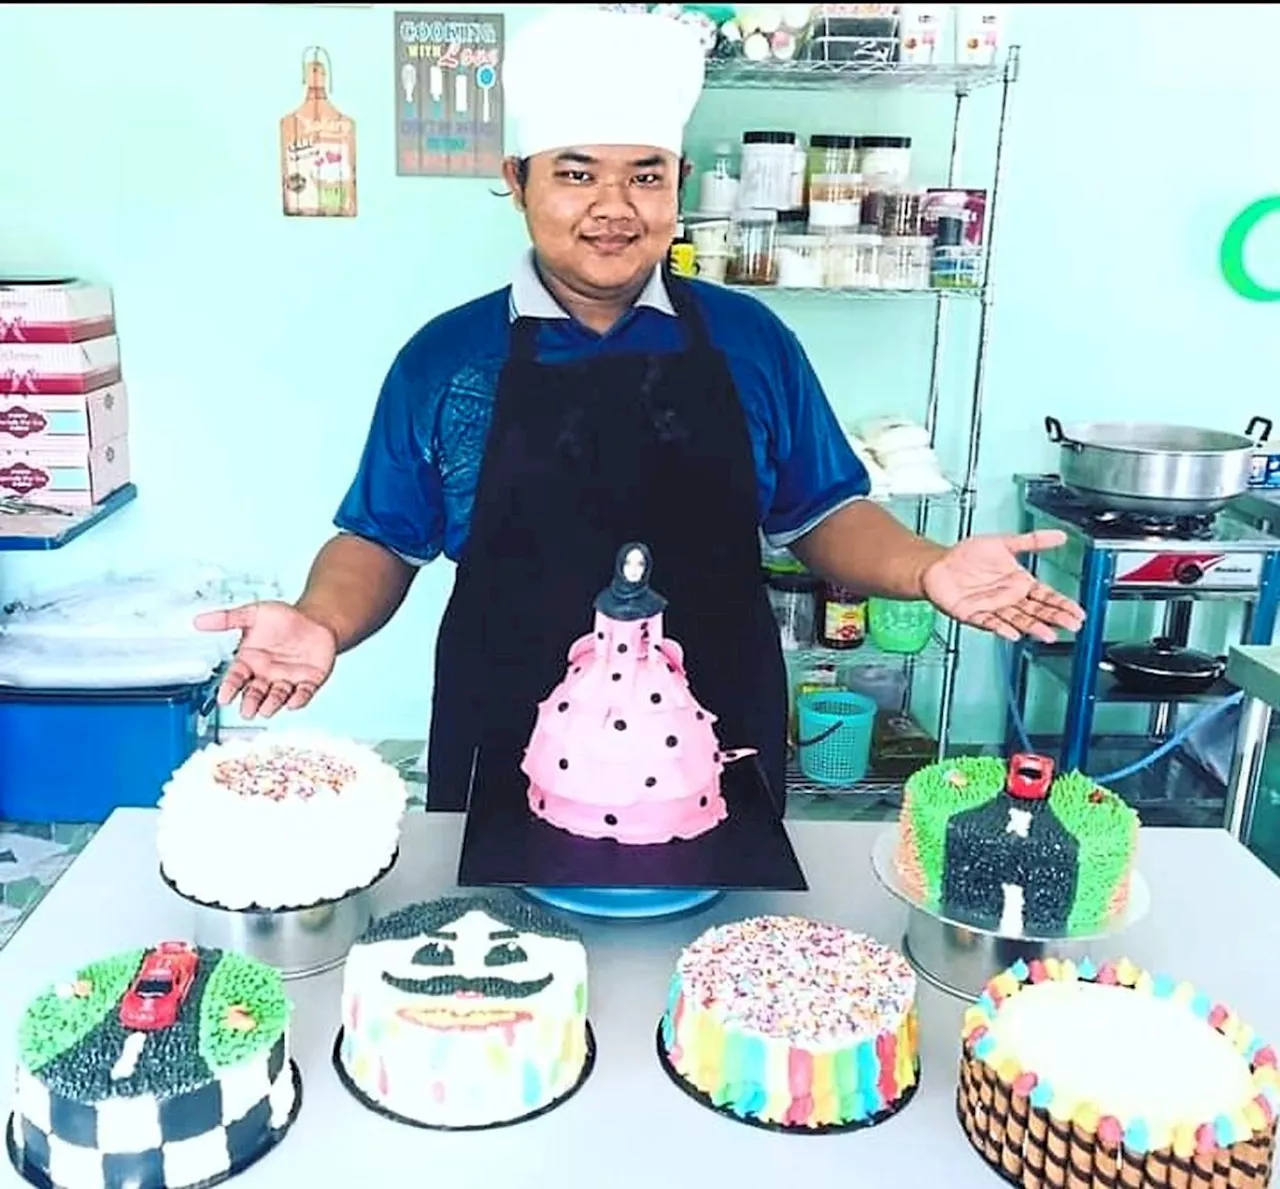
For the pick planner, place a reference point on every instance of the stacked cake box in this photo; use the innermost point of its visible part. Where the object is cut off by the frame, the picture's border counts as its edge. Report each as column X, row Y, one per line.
column 63, row 405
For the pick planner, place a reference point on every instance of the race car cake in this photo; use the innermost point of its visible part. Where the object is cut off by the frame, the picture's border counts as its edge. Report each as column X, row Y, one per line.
column 793, row 1023
column 154, row 1069
column 1009, row 847
column 1107, row 1075
column 283, row 819
column 465, row 1012
column 621, row 748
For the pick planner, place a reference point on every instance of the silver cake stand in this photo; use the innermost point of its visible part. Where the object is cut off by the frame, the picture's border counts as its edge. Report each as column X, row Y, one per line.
column 299, row 942
column 960, row 957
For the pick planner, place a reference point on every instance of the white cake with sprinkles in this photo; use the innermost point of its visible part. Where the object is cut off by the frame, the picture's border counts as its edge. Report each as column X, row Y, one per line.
column 795, row 1024
column 285, row 819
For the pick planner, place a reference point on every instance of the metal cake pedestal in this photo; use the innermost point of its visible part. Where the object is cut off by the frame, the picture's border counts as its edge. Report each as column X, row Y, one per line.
column 959, row 958
column 297, row 942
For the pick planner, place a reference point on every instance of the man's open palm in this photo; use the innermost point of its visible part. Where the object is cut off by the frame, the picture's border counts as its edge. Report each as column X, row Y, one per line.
column 980, row 582
column 283, row 658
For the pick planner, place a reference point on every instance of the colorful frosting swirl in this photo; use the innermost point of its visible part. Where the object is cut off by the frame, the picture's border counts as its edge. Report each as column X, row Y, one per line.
column 793, row 1022
column 1037, row 1134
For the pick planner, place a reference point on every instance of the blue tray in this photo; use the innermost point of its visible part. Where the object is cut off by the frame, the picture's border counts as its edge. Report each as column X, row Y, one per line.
column 625, row 903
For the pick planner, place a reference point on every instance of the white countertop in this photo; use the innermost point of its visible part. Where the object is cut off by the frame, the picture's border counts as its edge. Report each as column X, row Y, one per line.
column 1213, row 907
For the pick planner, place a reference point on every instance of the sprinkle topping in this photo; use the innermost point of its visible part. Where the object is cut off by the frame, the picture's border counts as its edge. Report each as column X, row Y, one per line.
column 279, row 773
column 789, row 978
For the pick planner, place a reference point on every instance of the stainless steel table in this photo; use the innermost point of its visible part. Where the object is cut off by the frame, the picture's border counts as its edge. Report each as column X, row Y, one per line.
column 1214, row 905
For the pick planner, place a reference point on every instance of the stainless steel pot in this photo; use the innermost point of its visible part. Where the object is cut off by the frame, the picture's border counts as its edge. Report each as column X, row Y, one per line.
column 1171, row 470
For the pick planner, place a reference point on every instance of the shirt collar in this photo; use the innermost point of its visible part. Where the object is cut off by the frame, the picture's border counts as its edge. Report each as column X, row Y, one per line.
column 530, row 298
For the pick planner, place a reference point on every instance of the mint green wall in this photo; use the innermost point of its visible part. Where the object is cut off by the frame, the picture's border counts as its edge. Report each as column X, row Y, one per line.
column 138, row 146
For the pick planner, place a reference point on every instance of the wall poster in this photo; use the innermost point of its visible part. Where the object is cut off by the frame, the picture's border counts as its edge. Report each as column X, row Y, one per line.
column 318, row 148
column 448, row 94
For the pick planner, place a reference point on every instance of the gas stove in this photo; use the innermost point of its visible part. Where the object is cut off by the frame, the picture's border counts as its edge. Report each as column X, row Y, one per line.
column 1211, row 553
column 1115, row 555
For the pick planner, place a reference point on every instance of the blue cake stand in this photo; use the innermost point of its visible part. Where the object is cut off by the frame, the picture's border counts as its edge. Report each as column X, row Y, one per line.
column 632, row 904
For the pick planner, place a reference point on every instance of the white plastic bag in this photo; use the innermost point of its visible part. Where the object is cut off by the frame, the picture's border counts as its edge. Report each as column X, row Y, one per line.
column 122, row 631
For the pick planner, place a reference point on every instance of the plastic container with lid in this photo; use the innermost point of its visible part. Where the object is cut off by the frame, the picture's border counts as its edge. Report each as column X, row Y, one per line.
column 901, row 213
column 906, row 262
column 830, row 154
column 754, row 246
column 835, row 201
column 793, row 598
column 852, row 260
column 800, row 261
column 768, row 170
column 884, row 160
column 710, row 236
column 718, row 193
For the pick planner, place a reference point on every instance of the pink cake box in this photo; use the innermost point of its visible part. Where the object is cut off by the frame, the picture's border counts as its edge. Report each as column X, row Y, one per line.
column 55, row 312
column 77, row 420
column 59, row 368
column 64, row 476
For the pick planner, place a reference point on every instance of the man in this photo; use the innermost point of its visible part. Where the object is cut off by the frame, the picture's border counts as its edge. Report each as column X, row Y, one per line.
column 598, row 400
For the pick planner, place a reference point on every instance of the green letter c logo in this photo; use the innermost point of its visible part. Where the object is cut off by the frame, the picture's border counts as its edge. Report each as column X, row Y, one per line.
column 1231, row 254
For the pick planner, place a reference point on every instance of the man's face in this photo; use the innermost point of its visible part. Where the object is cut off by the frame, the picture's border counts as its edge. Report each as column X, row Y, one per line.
column 600, row 216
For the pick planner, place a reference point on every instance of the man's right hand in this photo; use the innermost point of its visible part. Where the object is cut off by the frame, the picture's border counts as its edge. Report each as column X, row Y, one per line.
column 283, row 658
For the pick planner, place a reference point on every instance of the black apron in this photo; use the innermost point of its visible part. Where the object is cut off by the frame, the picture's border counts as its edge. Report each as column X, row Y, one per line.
column 581, row 458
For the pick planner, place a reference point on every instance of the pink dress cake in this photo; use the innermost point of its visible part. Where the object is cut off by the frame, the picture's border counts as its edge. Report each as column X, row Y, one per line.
column 621, row 748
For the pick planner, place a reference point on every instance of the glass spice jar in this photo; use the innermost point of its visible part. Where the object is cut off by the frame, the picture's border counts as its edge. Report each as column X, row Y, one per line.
column 842, row 617
column 754, row 246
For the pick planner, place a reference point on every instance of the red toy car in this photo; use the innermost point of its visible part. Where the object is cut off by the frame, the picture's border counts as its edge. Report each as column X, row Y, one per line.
column 162, row 983
column 1030, row 776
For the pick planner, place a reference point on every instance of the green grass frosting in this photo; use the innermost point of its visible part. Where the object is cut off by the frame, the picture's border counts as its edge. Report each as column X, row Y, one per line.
column 1106, row 831
column 238, row 981
column 936, row 794
column 1104, row 826
column 59, row 1019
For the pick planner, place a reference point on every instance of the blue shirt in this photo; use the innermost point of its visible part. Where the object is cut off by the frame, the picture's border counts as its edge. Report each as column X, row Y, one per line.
column 416, row 484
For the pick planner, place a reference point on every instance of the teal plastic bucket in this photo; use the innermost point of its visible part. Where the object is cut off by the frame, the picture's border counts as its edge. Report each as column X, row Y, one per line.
column 834, row 735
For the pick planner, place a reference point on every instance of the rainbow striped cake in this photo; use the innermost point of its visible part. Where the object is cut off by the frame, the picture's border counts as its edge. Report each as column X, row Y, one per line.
column 786, row 1021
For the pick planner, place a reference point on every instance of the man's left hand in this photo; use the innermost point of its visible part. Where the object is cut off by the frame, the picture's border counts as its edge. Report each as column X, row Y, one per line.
column 979, row 582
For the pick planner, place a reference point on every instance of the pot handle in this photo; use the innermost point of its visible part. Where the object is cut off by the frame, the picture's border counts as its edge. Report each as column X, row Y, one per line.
column 1053, row 427
column 1262, row 432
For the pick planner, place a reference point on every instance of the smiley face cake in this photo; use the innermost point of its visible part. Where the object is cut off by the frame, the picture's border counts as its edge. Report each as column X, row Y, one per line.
column 465, row 1012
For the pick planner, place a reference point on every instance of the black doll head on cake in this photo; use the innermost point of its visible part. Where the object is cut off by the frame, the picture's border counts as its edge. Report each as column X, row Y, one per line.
column 629, row 596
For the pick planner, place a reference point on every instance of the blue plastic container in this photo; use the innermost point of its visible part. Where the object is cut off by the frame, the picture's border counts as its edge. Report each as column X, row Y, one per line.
column 75, row 755
column 834, row 735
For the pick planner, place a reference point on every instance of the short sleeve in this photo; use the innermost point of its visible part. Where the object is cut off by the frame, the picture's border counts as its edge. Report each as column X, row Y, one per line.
column 816, row 468
column 395, row 499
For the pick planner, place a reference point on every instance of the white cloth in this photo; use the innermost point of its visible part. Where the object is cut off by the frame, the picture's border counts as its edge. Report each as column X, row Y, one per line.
column 583, row 76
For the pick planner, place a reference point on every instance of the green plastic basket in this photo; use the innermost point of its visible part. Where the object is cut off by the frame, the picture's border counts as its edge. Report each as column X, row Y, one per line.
column 895, row 625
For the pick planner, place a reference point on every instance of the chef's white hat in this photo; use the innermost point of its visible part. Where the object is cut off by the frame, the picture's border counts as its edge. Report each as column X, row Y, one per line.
column 582, row 76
